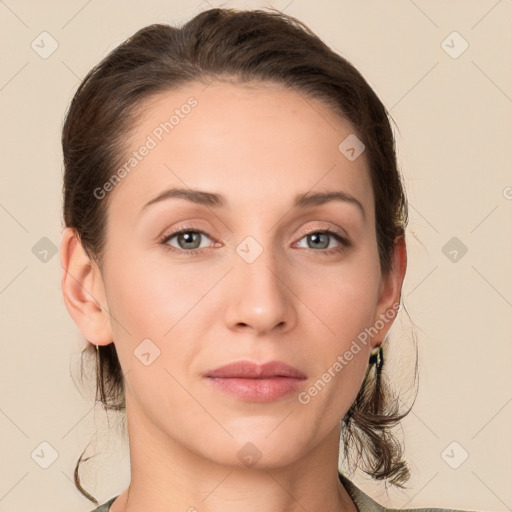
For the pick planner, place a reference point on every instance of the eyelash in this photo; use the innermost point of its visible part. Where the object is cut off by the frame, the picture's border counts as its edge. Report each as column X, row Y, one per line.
column 194, row 252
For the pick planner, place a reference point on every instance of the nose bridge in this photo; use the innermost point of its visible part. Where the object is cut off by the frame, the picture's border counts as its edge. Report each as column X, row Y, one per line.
column 257, row 265
column 261, row 298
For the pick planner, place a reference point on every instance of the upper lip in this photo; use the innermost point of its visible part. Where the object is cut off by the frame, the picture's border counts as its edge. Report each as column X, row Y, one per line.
column 250, row 370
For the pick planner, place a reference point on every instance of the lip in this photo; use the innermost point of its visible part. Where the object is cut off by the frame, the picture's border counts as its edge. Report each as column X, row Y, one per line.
column 254, row 382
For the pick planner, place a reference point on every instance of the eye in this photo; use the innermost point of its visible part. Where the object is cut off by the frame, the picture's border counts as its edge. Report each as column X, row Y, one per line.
column 320, row 241
column 187, row 239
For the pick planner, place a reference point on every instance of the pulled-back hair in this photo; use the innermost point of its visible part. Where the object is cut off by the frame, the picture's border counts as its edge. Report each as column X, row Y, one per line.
column 240, row 46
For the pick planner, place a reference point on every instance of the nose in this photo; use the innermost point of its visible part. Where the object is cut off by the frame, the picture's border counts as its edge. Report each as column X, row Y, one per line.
column 260, row 296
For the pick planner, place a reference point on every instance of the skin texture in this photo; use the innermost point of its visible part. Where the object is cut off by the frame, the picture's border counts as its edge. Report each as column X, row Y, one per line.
column 258, row 145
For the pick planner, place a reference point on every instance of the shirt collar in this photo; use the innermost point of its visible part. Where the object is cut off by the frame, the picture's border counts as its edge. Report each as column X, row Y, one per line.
column 362, row 501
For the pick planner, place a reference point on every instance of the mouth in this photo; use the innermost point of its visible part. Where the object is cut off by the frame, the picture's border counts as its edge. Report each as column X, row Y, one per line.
column 251, row 382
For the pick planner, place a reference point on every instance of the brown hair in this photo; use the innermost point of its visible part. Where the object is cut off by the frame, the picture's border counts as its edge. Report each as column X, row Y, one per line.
column 252, row 46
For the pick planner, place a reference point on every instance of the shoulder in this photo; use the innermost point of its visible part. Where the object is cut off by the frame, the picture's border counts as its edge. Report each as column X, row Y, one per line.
column 364, row 503
column 106, row 506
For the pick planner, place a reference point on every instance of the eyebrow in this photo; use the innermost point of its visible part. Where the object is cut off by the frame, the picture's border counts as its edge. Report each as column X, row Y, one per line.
column 214, row 200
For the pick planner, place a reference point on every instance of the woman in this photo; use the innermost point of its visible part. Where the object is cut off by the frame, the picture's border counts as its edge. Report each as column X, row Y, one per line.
column 234, row 253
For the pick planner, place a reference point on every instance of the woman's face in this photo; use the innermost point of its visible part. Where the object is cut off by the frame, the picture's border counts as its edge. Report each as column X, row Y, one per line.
column 254, row 276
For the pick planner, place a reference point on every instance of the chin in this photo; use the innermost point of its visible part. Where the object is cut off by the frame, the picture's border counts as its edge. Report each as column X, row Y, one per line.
column 258, row 451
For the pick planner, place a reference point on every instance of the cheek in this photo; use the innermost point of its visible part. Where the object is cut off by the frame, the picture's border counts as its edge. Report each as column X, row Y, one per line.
column 152, row 299
column 156, row 303
column 341, row 309
column 342, row 298
column 338, row 350
column 155, row 332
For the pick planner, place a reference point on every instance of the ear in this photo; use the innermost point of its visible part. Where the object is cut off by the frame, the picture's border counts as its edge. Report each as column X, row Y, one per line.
column 390, row 291
column 83, row 289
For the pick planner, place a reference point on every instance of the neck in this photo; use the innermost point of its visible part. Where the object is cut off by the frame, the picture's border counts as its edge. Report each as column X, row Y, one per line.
column 166, row 476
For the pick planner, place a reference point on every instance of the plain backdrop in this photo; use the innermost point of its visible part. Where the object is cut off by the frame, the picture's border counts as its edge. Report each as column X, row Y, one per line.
column 443, row 71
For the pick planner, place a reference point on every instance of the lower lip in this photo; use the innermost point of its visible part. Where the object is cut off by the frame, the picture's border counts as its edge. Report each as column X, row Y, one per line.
column 257, row 390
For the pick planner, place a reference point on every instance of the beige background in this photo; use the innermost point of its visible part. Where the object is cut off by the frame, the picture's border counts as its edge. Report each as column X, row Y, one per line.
column 455, row 149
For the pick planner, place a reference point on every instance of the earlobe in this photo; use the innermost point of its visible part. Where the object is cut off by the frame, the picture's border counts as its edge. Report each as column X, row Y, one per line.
column 83, row 290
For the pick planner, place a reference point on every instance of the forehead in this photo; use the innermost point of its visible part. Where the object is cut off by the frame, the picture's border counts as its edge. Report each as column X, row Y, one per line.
column 257, row 144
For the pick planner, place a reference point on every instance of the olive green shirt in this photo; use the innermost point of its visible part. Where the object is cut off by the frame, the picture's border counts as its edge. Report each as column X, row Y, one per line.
column 362, row 501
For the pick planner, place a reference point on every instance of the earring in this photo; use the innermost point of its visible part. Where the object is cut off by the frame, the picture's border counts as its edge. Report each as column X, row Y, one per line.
column 377, row 358
column 99, row 387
